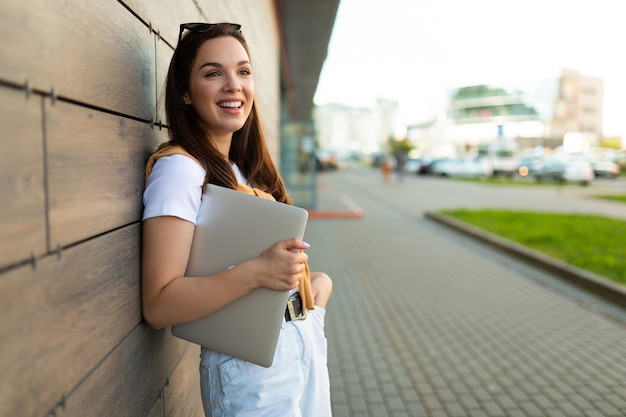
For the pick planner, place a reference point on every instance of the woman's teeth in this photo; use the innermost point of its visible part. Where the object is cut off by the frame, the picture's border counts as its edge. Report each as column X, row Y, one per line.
column 231, row 104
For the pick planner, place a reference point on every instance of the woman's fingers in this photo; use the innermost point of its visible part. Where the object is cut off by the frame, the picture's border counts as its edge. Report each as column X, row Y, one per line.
column 283, row 264
column 294, row 244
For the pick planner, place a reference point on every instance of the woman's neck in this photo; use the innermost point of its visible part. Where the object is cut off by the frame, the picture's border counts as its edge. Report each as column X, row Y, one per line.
column 222, row 143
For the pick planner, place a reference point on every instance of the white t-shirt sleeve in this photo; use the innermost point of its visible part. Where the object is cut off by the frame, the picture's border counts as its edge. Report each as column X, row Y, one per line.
column 174, row 188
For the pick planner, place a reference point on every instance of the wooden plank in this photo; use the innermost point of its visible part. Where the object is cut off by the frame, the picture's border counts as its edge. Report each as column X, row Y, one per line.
column 157, row 409
column 263, row 37
column 93, row 52
column 131, row 379
column 96, row 170
column 163, row 56
column 163, row 135
column 22, row 207
column 62, row 318
column 165, row 17
column 182, row 394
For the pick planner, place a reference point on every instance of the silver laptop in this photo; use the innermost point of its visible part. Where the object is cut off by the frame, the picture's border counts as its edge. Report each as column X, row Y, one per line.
column 233, row 227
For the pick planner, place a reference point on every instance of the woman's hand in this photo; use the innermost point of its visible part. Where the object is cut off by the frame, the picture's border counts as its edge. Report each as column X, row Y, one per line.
column 280, row 267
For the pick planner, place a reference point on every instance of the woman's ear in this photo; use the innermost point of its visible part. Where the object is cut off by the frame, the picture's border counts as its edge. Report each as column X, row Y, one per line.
column 186, row 98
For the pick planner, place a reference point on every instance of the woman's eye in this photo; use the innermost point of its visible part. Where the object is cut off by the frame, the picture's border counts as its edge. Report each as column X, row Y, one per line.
column 212, row 74
column 245, row 72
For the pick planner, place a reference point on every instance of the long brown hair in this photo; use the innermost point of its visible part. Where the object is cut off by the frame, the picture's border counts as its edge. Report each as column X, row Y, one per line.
column 248, row 147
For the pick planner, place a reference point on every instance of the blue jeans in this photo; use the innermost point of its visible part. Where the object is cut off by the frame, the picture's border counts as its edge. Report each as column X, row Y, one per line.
column 296, row 385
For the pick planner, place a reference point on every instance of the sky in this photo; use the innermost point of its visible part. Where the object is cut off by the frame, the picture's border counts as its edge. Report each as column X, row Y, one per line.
column 414, row 51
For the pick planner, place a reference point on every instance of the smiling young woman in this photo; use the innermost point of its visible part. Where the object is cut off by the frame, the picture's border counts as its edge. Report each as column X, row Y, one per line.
column 216, row 137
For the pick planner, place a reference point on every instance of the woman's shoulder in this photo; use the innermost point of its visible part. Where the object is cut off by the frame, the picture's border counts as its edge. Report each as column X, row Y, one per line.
column 176, row 168
column 174, row 188
column 179, row 163
column 176, row 155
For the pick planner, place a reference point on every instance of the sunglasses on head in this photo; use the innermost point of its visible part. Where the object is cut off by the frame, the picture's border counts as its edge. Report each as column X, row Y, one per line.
column 204, row 27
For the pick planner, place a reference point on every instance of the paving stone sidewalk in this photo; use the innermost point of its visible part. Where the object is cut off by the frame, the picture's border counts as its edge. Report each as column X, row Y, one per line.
column 422, row 323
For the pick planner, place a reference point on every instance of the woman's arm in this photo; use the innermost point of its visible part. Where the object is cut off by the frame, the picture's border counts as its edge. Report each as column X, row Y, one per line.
column 169, row 298
column 322, row 288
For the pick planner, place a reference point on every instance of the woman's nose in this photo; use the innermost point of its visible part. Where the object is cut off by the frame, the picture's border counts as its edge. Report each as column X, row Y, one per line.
column 232, row 83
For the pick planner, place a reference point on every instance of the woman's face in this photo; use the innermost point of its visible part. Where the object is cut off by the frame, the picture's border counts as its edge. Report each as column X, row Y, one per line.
column 221, row 88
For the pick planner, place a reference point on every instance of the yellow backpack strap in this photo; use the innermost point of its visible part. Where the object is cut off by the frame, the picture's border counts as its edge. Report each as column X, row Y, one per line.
column 166, row 150
column 306, row 293
column 254, row 191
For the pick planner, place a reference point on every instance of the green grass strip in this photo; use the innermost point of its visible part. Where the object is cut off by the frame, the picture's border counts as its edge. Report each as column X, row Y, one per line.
column 621, row 198
column 593, row 243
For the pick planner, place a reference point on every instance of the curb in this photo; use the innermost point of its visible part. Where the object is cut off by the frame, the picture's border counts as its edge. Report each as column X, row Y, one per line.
column 584, row 279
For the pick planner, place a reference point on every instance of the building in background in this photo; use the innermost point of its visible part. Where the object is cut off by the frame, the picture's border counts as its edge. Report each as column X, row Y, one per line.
column 579, row 106
column 357, row 130
column 534, row 114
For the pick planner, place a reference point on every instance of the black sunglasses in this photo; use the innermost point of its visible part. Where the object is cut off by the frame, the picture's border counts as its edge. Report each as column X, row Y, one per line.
column 204, row 27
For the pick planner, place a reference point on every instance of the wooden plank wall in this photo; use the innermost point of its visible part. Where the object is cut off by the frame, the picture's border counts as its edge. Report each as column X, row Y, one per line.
column 81, row 88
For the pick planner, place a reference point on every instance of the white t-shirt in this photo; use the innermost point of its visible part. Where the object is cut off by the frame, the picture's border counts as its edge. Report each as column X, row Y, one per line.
column 174, row 188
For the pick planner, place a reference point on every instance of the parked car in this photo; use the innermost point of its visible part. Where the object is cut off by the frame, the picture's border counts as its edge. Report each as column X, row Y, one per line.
column 606, row 168
column 326, row 160
column 412, row 165
column 428, row 166
column 620, row 159
column 440, row 167
column 572, row 170
column 466, row 166
column 377, row 159
column 528, row 165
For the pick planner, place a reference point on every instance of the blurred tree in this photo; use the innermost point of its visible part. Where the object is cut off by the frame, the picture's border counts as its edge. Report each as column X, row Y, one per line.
column 611, row 142
column 399, row 147
column 482, row 90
